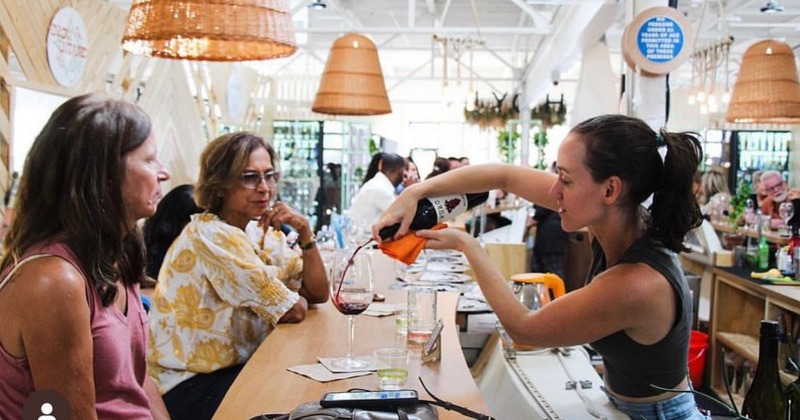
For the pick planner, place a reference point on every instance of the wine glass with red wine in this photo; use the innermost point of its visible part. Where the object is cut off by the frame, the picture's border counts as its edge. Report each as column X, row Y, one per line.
column 351, row 294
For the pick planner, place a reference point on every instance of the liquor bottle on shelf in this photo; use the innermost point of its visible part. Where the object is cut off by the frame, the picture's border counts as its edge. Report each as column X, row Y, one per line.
column 793, row 400
column 763, row 246
column 765, row 398
column 433, row 210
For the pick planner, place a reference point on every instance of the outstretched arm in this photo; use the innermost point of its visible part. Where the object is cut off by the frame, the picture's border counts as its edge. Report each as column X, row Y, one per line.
column 530, row 184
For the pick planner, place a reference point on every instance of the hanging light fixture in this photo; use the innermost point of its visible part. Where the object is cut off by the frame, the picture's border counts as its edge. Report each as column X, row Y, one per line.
column 352, row 83
column 767, row 88
column 317, row 5
column 220, row 30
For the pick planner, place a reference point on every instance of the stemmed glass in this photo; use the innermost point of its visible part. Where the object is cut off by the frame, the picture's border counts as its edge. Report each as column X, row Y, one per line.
column 786, row 211
column 351, row 293
column 410, row 273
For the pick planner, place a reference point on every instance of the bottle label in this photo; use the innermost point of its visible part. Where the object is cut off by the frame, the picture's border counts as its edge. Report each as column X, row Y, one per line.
column 449, row 206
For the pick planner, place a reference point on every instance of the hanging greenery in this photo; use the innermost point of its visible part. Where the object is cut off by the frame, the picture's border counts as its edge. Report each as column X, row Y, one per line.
column 495, row 113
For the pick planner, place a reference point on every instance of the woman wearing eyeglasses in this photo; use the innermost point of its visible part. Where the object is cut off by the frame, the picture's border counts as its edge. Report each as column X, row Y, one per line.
column 229, row 277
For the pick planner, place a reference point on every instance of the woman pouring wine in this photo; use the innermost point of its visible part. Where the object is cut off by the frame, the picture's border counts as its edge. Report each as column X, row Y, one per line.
column 635, row 309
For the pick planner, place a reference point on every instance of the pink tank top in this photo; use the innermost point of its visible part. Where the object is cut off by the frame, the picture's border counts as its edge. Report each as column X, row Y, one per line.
column 119, row 342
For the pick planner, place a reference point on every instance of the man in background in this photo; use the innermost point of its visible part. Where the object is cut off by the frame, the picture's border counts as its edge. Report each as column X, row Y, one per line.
column 377, row 194
column 777, row 192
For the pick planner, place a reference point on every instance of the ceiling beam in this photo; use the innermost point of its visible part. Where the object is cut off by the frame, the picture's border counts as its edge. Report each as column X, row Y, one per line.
column 538, row 20
column 431, row 6
column 570, row 22
column 455, row 30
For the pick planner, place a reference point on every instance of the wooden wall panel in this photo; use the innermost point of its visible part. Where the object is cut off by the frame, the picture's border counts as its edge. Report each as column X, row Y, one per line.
column 183, row 100
column 181, row 138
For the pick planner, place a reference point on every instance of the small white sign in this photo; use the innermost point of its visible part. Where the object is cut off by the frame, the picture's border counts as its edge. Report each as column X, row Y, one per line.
column 67, row 46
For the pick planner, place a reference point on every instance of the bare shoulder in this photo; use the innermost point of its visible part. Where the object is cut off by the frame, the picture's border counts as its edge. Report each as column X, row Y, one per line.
column 47, row 281
column 635, row 284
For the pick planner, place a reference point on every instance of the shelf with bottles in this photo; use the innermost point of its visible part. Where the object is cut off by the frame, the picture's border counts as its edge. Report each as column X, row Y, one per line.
column 299, row 148
column 737, row 308
column 758, row 151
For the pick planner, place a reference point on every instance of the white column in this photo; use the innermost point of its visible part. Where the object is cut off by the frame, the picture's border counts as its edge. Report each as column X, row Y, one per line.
column 647, row 96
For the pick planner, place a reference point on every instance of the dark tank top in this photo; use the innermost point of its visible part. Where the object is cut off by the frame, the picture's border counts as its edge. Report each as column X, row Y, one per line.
column 632, row 367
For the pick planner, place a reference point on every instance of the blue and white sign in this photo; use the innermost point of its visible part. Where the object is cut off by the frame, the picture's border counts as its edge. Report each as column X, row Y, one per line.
column 660, row 39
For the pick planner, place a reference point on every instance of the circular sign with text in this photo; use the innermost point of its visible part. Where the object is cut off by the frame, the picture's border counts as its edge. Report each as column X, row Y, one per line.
column 657, row 41
column 67, row 46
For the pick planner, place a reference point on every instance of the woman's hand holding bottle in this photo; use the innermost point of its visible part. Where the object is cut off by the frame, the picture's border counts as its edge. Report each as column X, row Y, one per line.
column 401, row 210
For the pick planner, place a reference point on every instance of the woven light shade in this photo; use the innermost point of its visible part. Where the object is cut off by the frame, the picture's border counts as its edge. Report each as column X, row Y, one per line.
column 766, row 90
column 211, row 30
column 352, row 83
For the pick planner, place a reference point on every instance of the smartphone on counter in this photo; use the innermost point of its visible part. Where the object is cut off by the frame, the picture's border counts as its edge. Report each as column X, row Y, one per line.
column 369, row 399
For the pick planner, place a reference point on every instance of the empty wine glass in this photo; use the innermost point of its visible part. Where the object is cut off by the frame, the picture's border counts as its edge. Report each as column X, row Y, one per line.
column 786, row 212
column 750, row 214
column 410, row 273
column 351, row 293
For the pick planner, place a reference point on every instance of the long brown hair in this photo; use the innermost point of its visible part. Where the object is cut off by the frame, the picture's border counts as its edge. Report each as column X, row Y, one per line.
column 72, row 185
column 617, row 145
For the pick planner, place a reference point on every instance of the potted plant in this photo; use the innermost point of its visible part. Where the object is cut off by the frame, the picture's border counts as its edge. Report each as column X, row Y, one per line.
column 737, row 206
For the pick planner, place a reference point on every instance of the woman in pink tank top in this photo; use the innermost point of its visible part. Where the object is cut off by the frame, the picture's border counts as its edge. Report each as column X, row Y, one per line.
column 74, row 261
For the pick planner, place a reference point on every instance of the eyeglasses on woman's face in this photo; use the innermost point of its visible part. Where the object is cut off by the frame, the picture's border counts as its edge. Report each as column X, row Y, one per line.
column 252, row 179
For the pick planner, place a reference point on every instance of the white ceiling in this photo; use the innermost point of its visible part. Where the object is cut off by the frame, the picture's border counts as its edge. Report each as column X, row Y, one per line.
column 522, row 40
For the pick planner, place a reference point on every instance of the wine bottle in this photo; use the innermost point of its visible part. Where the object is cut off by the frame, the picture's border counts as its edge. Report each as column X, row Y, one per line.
column 763, row 254
column 433, row 210
column 793, row 400
column 765, row 398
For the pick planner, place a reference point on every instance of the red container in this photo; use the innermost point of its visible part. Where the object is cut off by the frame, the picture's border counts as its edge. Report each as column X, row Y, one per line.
column 698, row 345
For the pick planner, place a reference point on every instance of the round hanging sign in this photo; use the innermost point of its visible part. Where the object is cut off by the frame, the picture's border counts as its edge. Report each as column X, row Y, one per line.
column 657, row 41
column 67, row 46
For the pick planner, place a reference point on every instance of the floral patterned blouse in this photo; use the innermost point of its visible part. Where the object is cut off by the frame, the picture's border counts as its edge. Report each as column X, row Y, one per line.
column 220, row 292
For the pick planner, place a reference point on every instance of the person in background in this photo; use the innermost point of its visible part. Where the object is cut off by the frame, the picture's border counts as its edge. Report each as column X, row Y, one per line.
column 226, row 280
column 714, row 193
column 440, row 166
column 453, row 163
column 464, row 161
column 758, row 194
column 697, row 186
column 373, row 168
column 173, row 213
column 375, row 195
column 636, row 309
column 550, row 243
column 410, row 175
column 777, row 192
column 72, row 317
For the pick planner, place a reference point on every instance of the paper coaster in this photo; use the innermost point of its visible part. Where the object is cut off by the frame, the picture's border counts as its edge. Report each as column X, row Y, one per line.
column 329, row 363
column 320, row 373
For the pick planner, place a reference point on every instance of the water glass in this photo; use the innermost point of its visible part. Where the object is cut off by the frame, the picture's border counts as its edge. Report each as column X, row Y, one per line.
column 392, row 366
column 421, row 311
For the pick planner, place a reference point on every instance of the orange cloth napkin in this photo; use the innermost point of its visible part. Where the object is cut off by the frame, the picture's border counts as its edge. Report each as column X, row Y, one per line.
column 407, row 248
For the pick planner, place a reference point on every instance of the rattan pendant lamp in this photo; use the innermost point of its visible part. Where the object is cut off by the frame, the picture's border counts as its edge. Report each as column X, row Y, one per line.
column 219, row 30
column 352, row 82
column 766, row 90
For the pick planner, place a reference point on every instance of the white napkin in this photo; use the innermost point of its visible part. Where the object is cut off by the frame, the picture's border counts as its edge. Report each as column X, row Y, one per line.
column 320, row 373
column 384, row 309
column 369, row 361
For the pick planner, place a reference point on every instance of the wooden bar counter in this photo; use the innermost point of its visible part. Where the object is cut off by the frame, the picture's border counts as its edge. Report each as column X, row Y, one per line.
column 265, row 386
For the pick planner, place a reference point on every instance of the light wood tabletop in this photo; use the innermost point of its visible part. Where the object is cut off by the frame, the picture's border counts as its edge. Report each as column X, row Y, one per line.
column 266, row 386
